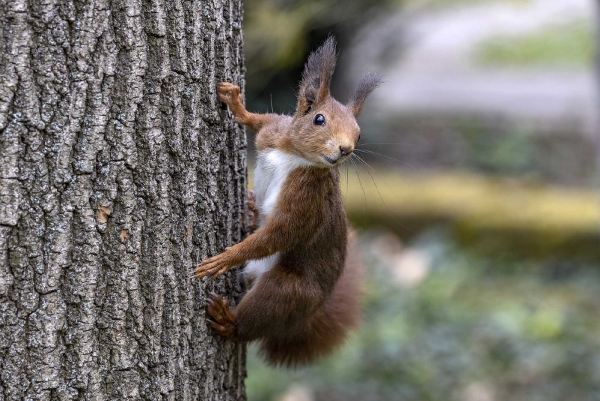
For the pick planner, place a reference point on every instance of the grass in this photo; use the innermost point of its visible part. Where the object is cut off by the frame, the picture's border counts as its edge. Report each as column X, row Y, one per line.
column 483, row 201
column 569, row 45
column 532, row 218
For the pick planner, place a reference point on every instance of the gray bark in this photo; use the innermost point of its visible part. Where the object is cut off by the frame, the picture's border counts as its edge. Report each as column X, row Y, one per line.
column 119, row 172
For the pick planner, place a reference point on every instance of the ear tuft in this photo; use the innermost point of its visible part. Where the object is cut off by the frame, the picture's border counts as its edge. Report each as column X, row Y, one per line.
column 316, row 78
column 367, row 83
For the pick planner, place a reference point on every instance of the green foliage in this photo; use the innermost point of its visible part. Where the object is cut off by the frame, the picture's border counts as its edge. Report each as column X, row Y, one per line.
column 569, row 45
column 473, row 327
column 507, row 152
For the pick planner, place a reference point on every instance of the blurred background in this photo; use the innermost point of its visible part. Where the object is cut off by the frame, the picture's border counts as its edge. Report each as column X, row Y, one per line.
column 474, row 189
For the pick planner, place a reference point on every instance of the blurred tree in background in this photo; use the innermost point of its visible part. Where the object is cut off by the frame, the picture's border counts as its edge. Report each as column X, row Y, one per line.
column 281, row 33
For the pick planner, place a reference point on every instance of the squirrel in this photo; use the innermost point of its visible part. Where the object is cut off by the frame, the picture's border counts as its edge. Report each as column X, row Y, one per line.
column 304, row 290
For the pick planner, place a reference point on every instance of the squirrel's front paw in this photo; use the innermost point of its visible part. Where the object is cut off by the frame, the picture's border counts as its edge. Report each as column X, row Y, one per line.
column 222, row 319
column 228, row 93
column 214, row 266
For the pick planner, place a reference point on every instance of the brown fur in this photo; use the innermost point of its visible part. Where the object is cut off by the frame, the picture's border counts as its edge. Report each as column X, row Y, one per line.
column 303, row 307
column 367, row 83
column 328, row 326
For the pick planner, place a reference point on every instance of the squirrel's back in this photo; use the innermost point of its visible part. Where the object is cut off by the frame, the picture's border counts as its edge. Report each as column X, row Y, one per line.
column 328, row 326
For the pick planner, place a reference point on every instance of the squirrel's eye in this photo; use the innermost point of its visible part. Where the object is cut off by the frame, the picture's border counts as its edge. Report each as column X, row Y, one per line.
column 319, row 119
column 358, row 138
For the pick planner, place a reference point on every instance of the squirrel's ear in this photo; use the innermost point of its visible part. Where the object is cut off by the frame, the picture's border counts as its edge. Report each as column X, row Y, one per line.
column 316, row 78
column 367, row 83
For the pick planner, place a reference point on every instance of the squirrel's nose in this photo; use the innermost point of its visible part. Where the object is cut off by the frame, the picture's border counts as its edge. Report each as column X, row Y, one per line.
column 346, row 150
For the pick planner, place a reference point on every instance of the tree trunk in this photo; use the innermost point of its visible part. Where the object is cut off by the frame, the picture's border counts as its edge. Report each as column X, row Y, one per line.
column 119, row 172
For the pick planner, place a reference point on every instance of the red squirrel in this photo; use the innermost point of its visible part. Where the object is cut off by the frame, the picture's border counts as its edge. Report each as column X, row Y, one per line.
column 304, row 291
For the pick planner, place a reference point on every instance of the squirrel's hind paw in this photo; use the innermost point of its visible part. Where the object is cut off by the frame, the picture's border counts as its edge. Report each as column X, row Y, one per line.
column 222, row 319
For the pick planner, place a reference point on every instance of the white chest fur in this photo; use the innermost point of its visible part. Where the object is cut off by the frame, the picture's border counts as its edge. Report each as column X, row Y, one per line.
column 272, row 169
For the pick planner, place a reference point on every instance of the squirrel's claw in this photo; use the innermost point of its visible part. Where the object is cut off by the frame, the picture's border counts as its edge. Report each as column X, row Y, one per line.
column 215, row 325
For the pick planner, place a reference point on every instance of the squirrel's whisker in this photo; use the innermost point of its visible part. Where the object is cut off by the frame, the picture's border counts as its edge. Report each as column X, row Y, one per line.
column 388, row 143
column 382, row 155
column 362, row 188
column 377, row 188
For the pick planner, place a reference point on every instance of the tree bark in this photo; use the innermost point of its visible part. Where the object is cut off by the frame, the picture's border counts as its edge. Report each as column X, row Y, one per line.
column 119, row 172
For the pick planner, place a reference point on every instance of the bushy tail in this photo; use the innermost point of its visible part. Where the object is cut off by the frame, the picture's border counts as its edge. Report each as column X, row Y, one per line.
column 328, row 327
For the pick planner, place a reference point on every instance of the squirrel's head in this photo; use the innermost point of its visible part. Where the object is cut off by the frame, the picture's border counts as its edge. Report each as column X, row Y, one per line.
column 324, row 130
